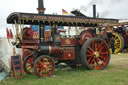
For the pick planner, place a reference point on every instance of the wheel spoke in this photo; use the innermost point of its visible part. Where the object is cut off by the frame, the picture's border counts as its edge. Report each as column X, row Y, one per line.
column 29, row 69
column 101, row 49
column 100, row 45
column 88, row 51
column 45, row 74
column 94, row 64
column 46, row 61
column 40, row 73
column 104, row 53
column 102, row 57
column 40, row 62
column 89, row 59
column 97, row 63
column 92, row 61
column 48, row 72
column 89, row 55
column 28, row 65
column 101, row 61
column 90, row 48
column 38, row 70
column 43, row 60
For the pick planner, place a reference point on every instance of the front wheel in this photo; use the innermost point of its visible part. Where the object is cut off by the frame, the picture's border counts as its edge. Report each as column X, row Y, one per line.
column 44, row 66
column 95, row 54
column 28, row 64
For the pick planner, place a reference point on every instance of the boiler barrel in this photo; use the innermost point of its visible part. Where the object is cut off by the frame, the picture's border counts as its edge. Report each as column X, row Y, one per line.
column 48, row 49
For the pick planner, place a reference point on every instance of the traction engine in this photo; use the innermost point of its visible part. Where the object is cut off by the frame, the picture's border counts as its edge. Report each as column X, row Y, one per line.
column 42, row 48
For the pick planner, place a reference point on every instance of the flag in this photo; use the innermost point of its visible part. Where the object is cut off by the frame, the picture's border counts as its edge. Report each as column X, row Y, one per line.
column 11, row 35
column 8, row 34
column 64, row 12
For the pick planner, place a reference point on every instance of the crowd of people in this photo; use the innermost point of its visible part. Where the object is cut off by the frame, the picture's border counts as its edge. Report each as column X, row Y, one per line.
column 121, row 28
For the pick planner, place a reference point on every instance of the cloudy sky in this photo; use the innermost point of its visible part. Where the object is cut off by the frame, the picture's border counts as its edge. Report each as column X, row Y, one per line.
column 106, row 8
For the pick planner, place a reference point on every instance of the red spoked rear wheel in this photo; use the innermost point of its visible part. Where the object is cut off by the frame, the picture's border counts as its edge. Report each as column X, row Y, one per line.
column 44, row 66
column 28, row 64
column 26, row 53
column 95, row 54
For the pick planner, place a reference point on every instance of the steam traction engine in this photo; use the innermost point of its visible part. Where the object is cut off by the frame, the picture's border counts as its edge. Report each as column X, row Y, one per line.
column 78, row 49
column 120, row 35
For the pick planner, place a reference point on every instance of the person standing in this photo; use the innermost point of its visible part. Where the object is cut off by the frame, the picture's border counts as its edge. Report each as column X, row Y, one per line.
column 112, row 41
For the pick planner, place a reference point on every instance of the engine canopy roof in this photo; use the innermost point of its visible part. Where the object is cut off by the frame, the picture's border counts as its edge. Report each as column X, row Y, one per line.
column 60, row 20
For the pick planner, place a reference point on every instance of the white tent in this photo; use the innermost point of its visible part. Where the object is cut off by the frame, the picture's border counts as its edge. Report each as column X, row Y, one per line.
column 6, row 52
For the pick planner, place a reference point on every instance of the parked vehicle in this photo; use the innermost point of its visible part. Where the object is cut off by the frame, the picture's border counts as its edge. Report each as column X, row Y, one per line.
column 71, row 49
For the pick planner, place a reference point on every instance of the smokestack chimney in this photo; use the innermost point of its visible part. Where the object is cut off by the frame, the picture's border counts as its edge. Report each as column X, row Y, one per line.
column 40, row 8
column 94, row 11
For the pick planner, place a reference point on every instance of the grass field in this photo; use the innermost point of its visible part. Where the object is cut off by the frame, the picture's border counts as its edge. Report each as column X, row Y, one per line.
column 115, row 74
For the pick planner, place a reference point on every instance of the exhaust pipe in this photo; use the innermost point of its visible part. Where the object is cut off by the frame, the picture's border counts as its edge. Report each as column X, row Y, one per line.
column 40, row 8
column 94, row 11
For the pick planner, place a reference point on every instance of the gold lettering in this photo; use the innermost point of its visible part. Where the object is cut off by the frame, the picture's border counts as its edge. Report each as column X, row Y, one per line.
column 40, row 17
column 25, row 16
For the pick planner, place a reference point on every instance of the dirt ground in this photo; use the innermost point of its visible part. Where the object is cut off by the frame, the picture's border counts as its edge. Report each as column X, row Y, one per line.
column 119, row 60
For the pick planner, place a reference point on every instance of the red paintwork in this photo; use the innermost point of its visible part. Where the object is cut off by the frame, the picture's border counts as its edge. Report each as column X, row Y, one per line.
column 67, row 53
column 47, row 35
column 33, row 44
column 23, row 51
column 36, row 35
column 85, row 35
column 54, row 49
column 69, row 42
column 27, row 54
column 27, row 33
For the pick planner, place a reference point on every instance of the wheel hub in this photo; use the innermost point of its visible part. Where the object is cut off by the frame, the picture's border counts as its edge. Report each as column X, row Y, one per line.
column 96, row 54
column 45, row 66
column 99, row 62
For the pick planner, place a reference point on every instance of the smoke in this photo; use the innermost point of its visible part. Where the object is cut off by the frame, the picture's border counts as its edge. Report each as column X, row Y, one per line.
column 104, row 14
column 109, row 3
column 104, row 4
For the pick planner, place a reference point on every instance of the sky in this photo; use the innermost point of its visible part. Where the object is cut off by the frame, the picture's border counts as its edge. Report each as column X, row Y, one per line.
column 117, row 9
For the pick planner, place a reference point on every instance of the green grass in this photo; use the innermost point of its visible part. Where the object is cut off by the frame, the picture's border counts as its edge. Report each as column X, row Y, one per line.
column 115, row 74
column 78, row 76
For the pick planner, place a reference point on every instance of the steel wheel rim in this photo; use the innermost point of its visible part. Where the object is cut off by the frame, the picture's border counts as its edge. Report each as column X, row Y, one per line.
column 117, row 44
column 29, row 65
column 97, row 55
column 44, row 67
